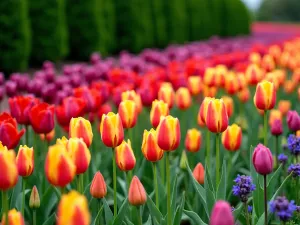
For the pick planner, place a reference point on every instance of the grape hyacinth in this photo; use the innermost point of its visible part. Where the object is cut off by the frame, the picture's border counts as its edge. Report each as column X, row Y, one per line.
column 250, row 209
column 282, row 208
column 294, row 144
column 282, row 158
column 243, row 187
column 295, row 169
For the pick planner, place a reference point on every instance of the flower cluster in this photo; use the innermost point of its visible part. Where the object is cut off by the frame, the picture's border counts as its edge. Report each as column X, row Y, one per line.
column 295, row 169
column 243, row 187
column 282, row 208
column 293, row 143
column 282, row 158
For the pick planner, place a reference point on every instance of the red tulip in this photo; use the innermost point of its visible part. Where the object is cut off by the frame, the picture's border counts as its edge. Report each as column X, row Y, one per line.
column 91, row 97
column 42, row 118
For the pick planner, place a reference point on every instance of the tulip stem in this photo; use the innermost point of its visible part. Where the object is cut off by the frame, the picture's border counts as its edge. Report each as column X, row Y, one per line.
column 115, row 183
column 81, row 183
column 26, row 135
column 23, row 196
column 139, row 215
column 207, row 148
column 217, row 159
column 169, row 219
column 265, row 198
column 34, row 217
column 265, row 128
column 5, row 205
column 155, row 184
column 276, row 150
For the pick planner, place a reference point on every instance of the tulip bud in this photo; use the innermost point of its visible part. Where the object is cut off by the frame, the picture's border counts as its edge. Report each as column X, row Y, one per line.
column 25, row 161
column 183, row 98
column 276, row 127
column 79, row 153
column 203, row 108
column 136, row 195
column 125, row 158
column 221, row 214
column 221, row 73
column 284, row 106
column 231, row 83
column 274, row 115
column 210, row 77
column 81, row 128
column 73, row 210
column 244, row 95
column 42, row 118
column 167, row 94
column 209, row 91
column 193, row 140
column 232, row 137
column 268, row 63
column 34, row 201
column 168, row 133
column 199, row 173
column 255, row 58
column 289, row 86
column 265, row 95
column 111, row 129
column 194, row 84
column 253, row 74
column 262, row 160
column 150, row 149
column 14, row 218
column 183, row 160
column 9, row 174
column 293, row 120
column 128, row 113
column 59, row 167
column 229, row 105
column 132, row 95
column 216, row 118
column 48, row 137
column 159, row 108
column 98, row 186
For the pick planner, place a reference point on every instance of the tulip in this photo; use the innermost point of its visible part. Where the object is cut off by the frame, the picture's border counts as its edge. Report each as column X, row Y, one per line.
column 221, row 214
column 244, row 95
column 262, row 160
column 128, row 113
column 81, row 128
column 183, row 161
column 199, row 173
column 98, row 186
column 275, row 52
column 73, row 210
column 14, row 218
column 221, row 73
column 80, row 154
column 289, row 86
column 199, row 120
column 232, row 137
column 20, row 107
column 284, row 106
column 268, row 63
column 255, row 58
column 193, row 140
column 59, row 166
column 132, row 95
column 159, row 108
column 228, row 104
column 104, row 109
column 293, row 120
column 125, row 158
column 9, row 135
column 34, row 200
column 231, row 83
column 274, row 115
column 167, row 95
column 91, row 97
column 209, row 91
column 265, row 96
column 216, row 116
column 204, row 107
column 150, row 149
column 183, row 98
column 194, row 84
column 111, row 130
column 136, row 195
column 9, row 174
column 25, row 161
column 48, row 137
column 253, row 74
column 210, row 77
column 42, row 118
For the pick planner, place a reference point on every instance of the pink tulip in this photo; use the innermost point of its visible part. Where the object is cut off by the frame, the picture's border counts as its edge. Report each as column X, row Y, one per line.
column 276, row 128
column 293, row 120
column 262, row 160
column 221, row 214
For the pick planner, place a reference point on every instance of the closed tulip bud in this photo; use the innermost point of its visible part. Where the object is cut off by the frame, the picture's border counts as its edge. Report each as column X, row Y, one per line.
column 128, row 113
column 136, row 195
column 293, row 120
column 204, row 107
column 262, row 160
column 79, row 153
column 199, row 173
column 231, row 83
column 275, row 52
column 132, row 95
column 221, row 73
column 210, row 77
column 159, row 108
column 217, row 118
column 14, row 218
column 232, row 138
column 111, row 129
column 183, row 98
column 268, row 63
column 42, row 118
column 221, row 214
column 168, row 133
column 167, row 95
column 81, row 128
column 59, row 166
column 229, row 105
column 25, row 161
column 73, row 209
column 284, row 106
column 276, row 127
column 9, row 174
column 253, row 74
column 193, row 140
column 209, row 91
column 98, row 186
column 289, row 86
column 125, row 158
column 150, row 149
column 48, row 137
column 255, row 58
column 183, row 160
column 194, row 84
column 265, row 96
column 34, row 201
column 274, row 115
column 244, row 95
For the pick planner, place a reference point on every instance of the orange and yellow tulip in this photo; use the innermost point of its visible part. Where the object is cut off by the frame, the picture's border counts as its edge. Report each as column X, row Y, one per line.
column 150, row 149
column 231, row 83
column 275, row 52
column 265, row 95
column 167, row 94
column 132, row 95
column 183, row 98
column 284, row 106
column 111, row 129
column 159, row 108
column 62, row 141
column 232, row 137
column 25, row 161
column 289, row 86
column 73, row 209
column 14, row 218
column 253, row 74
column 194, row 84
column 8, row 167
column 128, row 113
column 255, row 58
column 244, row 95
column 193, row 140
column 210, row 77
column 168, row 133
column 199, row 173
column 136, row 193
column 216, row 118
column 125, row 158
column 221, row 73
column 81, row 128
column 209, row 91
column 228, row 104
column 98, row 186
column 268, row 63
column 203, row 108
column 274, row 115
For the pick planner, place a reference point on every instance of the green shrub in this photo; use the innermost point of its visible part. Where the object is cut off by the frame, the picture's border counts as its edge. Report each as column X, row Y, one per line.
column 14, row 35
column 159, row 23
column 49, row 30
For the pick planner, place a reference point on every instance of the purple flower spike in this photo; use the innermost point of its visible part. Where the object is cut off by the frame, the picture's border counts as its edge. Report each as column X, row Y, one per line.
column 282, row 208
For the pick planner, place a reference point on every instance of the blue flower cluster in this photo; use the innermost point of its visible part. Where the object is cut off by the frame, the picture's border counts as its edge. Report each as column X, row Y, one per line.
column 244, row 186
column 250, row 209
column 282, row 158
column 283, row 208
column 293, row 143
column 295, row 169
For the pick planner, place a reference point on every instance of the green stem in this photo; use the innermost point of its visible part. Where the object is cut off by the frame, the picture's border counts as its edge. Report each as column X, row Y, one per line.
column 128, row 180
column 207, row 148
column 34, row 217
column 139, row 215
column 115, row 183
column 78, row 184
column 169, row 219
column 62, row 190
column 5, row 206
column 266, row 199
column 276, row 150
column 99, row 208
column 247, row 213
column 217, row 159
column 23, row 196
column 81, row 183
column 26, row 135
column 265, row 128
column 162, row 165
column 155, row 184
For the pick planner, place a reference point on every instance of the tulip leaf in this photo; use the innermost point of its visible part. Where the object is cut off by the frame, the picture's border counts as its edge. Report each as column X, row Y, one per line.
column 149, row 221
column 274, row 181
column 208, row 181
column 128, row 222
column 174, row 196
column 210, row 196
column 237, row 211
column 107, row 212
column 179, row 210
column 14, row 195
column 154, row 210
column 121, row 213
column 221, row 193
column 98, row 215
column 194, row 217
column 50, row 220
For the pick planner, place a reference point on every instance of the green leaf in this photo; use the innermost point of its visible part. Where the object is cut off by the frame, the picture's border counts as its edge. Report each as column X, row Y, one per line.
column 149, row 221
column 128, row 222
column 19, row 199
column 174, row 197
column 179, row 210
column 274, row 181
column 194, row 217
column 98, row 215
column 107, row 212
column 122, row 212
column 154, row 210
column 237, row 211
column 208, row 181
column 14, row 195
column 210, row 196
column 50, row 220
column 221, row 193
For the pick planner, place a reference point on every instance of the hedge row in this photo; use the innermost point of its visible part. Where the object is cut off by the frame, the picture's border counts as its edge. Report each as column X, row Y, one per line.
column 76, row 28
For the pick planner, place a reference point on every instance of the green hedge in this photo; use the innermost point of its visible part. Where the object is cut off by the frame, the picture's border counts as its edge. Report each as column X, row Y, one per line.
column 14, row 35
column 49, row 30
column 159, row 23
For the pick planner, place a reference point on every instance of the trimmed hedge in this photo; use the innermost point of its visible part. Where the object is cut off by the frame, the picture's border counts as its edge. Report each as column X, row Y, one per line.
column 159, row 23
column 49, row 30
column 14, row 35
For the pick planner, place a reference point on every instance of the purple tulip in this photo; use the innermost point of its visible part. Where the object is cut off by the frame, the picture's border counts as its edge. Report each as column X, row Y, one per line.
column 276, row 128
column 48, row 65
column 221, row 214
column 2, row 78
column 95, row 58
column 262, row 160
column 11, row 88
column 293, row 120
